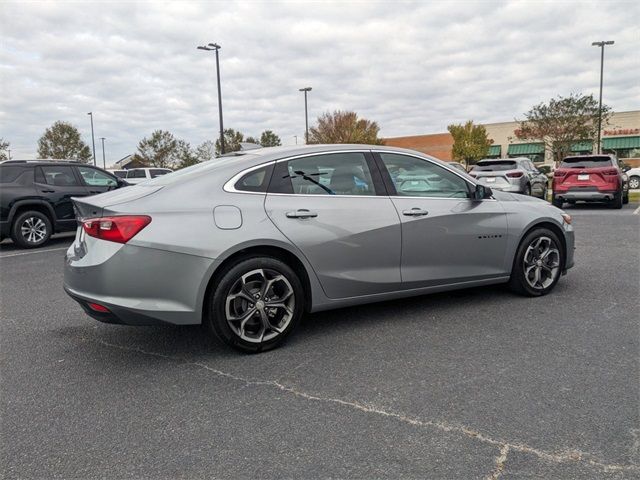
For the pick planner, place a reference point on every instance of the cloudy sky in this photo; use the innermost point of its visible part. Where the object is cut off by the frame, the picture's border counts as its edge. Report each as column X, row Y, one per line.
column 412, row 67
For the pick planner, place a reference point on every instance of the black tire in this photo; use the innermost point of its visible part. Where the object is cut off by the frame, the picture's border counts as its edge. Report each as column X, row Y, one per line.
column 527, row 190
column 617, row 201
column 625, row 198
column 518, row 282
column 228, row 280
column 30, row 236
column 556, row 202
column 545, row 193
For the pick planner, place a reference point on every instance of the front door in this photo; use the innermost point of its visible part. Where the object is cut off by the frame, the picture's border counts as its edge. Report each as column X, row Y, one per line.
column 446, row 236
column 334, row 209
column 96, row 180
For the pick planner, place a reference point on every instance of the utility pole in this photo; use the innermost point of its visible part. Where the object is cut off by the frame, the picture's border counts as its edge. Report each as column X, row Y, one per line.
column 93, row 140
column 601, row 45
column 104, row 162
column 306, row 115
column 215, row 47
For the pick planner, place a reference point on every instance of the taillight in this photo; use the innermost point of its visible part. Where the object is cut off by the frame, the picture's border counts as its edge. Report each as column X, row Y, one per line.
column 118, row 229
column 559, row 174
column 612, row 172
column 517, row 174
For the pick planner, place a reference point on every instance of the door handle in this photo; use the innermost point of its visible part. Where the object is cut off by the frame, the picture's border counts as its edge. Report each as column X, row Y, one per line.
column 47, row 191
column 95, row 191
column 302, row 213
column 415, row 212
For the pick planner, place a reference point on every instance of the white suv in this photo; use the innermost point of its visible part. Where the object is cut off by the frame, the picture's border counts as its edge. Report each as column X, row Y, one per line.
column 139, row 175
column 634, row 178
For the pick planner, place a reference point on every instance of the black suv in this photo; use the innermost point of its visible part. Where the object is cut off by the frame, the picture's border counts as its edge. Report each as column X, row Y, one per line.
column 35, row 197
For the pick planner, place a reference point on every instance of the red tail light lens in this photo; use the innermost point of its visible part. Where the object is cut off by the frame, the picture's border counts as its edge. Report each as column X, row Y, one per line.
column 559, row 174
column 119, row 229
column 612, row 172
column 514, row 174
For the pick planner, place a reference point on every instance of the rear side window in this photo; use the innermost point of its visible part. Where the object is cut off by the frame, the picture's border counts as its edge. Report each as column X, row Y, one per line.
column 587, row 162
column 156, row 172
column 59, row 175
column 136, row 174
column 9, row 174
column 255, row 181
column 495, row 166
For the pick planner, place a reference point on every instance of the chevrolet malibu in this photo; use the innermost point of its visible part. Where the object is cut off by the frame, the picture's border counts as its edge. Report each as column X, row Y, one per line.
column 248, row 244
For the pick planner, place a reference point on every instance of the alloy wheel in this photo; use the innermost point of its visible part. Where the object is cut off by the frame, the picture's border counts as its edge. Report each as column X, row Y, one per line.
column 634, row 183
column 541, row 263
column 260, row 305
column 33, row 230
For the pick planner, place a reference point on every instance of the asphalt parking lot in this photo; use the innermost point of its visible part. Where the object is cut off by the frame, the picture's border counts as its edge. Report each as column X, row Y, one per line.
column 477, row 383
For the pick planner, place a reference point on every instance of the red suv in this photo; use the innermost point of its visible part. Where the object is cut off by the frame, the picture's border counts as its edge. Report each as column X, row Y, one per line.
column 590, row 178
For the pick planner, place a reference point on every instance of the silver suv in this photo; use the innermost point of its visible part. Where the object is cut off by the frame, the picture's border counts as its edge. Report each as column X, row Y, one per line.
column 516, row 175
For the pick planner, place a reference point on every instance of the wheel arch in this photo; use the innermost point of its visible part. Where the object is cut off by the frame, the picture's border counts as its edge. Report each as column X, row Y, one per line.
column 36, row 205
column 268, row 250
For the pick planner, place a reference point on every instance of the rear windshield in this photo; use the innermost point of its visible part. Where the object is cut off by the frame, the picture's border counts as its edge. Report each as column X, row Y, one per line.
column 586, row 162
column 494, row 166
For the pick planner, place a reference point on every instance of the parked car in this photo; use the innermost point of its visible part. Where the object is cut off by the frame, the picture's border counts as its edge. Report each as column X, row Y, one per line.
column 35, row 197
column 516, row 175
column 634, row 177
column 118, row 173
column 139, row 175
column 260, row 239
column 590, row 178
column 457, row 165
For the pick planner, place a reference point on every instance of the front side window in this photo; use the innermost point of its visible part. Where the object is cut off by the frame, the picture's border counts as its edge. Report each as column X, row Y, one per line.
column 156, row 172
column 136, row 173
column 331, row 174
column 96, row 178
column 59, row 175
column 415, row 177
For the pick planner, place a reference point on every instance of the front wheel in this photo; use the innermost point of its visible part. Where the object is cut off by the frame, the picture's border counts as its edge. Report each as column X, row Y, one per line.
column 556, row 202
column 538, row 263
column 31, row 229
column 634, row 182
column 257, row 304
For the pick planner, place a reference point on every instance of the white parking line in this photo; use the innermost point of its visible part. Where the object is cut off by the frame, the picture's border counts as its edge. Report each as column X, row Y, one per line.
column 33, row 253
column 636, row 211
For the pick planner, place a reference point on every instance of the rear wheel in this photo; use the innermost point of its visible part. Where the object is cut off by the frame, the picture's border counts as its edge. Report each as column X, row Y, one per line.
column 625, row 198
column 634, row 182
column 538, row 263
column 257, row 304
column 545, row 192
column 617, row 201
column 556, row 202
column 31, row 229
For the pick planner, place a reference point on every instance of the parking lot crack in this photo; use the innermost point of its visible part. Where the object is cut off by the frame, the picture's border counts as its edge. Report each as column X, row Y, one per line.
column 570, row 455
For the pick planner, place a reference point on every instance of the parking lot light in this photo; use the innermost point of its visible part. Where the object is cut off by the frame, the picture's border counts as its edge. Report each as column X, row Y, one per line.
column 215, row 47
column 601, row 45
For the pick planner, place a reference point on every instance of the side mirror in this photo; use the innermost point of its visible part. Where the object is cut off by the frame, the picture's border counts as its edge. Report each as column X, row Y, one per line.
column 626, row 168
column 481, row 192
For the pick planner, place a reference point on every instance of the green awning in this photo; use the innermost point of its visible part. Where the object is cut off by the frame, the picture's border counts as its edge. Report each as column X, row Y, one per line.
column 495, row 150
column 525, row 148
column 583, row 146
column 620, row 143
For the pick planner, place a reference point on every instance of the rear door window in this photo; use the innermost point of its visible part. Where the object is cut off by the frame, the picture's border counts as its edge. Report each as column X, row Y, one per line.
column 587, row 162
column 59, row 176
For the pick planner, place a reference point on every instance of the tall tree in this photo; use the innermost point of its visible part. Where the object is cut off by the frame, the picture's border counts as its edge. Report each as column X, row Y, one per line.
column 470, row 142
column 344, row 127
column 186, row 155
column 62, row 141
column 206, row 151
column 269, row 139
column 160, row 150
column 4, row 149
column 563, row 121
column 232, row 140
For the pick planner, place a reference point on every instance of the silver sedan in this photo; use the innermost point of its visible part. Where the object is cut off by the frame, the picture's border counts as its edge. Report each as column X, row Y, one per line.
column 247, row 244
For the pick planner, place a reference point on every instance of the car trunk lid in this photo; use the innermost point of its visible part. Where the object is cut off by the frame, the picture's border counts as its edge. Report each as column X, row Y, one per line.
column 94, row 206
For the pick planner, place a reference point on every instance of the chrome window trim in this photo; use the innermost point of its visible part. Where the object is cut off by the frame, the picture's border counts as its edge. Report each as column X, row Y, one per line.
column 230, row 185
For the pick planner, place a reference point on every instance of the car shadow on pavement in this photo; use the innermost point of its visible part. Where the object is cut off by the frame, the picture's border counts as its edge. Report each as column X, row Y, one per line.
column 58, row 241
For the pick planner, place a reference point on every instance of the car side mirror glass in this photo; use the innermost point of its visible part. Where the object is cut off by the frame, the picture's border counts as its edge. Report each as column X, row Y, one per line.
column 481, row 192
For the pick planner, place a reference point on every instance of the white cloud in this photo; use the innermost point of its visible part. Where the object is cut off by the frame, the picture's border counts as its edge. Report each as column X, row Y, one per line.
column 412, row 67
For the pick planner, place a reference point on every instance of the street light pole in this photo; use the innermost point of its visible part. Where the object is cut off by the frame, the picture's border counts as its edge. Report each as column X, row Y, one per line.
column 306, row 114
column 93, row 140
column 601, row 45
column 104, row 162
column 215, row 47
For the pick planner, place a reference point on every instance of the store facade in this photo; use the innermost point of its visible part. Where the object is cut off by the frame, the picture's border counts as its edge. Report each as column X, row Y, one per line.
column 621, row 136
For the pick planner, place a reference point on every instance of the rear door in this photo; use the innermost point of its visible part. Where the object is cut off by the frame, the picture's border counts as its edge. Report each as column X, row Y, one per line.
column 334, row 208
column 57, row 184
column 446, row 236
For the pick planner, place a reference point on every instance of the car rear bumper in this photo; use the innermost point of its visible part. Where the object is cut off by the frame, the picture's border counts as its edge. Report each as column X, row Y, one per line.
column 586, row 196
column 138, row 285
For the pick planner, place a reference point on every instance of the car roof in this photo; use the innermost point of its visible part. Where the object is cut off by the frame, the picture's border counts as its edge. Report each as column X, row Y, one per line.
column 44, row 162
